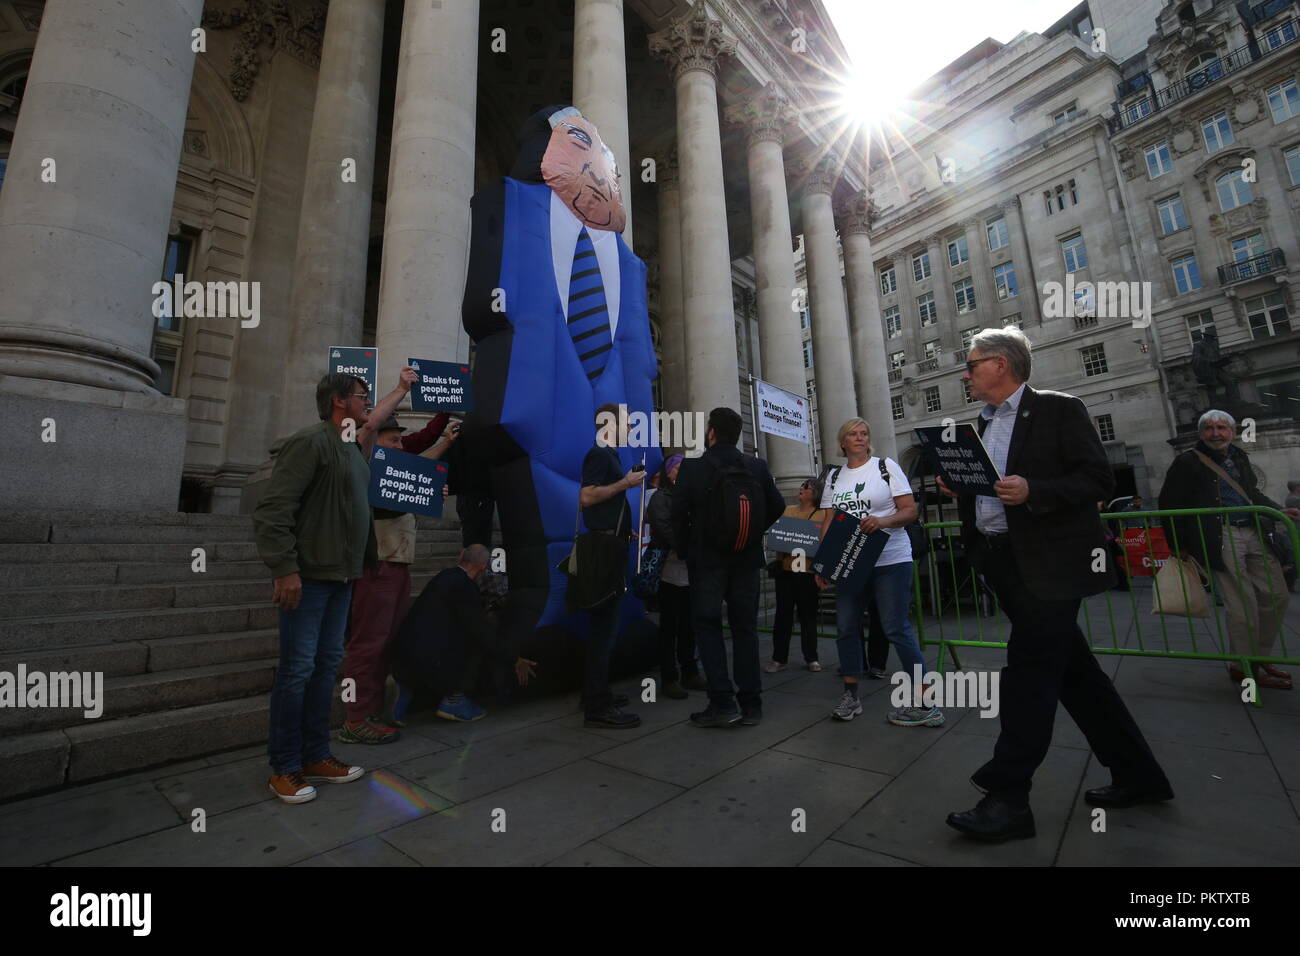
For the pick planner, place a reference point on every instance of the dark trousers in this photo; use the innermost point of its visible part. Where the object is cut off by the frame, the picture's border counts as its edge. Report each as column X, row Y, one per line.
column 795, row 592
column 739, row 588
column 1048, row 660
column 475, row 513
column 596, row 697
column 676, row 635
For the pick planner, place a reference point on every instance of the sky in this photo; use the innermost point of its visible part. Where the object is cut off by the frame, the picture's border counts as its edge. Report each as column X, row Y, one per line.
column 895, row 45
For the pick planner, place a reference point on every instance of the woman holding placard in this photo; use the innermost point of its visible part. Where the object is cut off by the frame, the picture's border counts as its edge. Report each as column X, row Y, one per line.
column 875, row 491
column 795, row 588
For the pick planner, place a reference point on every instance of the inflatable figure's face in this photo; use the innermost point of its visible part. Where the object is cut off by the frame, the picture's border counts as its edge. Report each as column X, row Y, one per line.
column 582, row 171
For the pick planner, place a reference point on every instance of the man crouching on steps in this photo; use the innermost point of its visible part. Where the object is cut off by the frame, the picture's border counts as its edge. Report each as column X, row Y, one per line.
column 314, row 532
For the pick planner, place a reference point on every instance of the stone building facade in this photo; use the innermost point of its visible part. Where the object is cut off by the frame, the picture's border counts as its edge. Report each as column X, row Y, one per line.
column 328, row 152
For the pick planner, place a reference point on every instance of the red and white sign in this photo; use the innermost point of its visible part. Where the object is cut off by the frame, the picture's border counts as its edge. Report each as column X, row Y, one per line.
column 1145, row 551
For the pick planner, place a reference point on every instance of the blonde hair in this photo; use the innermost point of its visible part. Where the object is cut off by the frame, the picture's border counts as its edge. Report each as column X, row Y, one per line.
column 847, row 427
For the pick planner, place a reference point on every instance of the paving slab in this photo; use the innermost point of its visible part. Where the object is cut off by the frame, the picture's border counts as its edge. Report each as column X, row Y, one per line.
column 746, row 816
column 1229, row 809
column 545, row 818
column 596, row 853
column 219, row 789
column 687, row 755
column 377, row 756
column 39, row 833
column 870, row 742
column 277, row 834
column 500, row 719
column 906, row 819
column 370, row 851
column 483, row 766
column 1281, row 736
column 835, row 853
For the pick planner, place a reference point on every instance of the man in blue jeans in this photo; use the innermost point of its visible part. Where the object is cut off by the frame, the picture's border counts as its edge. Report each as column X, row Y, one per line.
column 723, row 502
column 314, row 533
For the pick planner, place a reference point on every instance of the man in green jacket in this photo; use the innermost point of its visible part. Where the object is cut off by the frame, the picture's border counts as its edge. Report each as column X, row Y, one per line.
column 314, row 532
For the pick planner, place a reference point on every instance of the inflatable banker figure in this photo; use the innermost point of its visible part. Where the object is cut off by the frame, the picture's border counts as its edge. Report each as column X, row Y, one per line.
column 556, row 304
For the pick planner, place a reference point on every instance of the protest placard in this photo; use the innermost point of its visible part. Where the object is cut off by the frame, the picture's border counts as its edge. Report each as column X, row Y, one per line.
column 442, row 387
column 782, row 413
column 790, row 533
column 959, row 456
column 848, row 554
column 361, row 362
column 401, row 481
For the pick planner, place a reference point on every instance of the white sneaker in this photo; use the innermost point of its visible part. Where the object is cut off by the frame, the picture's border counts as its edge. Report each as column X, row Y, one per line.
column 848, row 707
column 771, row 667
column 815, row 666
column 916, row 717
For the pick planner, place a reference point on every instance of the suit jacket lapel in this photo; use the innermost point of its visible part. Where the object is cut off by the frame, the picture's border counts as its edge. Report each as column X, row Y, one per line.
column 1020, row 431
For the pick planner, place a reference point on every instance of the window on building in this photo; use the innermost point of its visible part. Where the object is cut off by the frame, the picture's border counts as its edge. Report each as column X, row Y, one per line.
column 932, row 401
column 1094, row 360
column 1172, row 215
column 169, row 331
column 897, row 359
column 1199, row 324
column 1267, row 316
column 1233, row 190
column 996, row 230
column 893, row 322
column 1248, row 247
column 929, row 311
column 1208, row 67
column 1187, row 277
column 931, row 350
column 1065, row 113
column 957, row 251
column 965, row 391
column 968, row 336
column 3, row 165
column 1074, row 253
column 1060, row 197
column 896, row 406
column 1284, row 101
column 807, row 353
column 1292, row 157
column 1159, row 160
column 1010, row 320
column 1074, row 193
column 964, row 295
column 803, row 316
column 1004, row 279
column 1105, row 427
column 921, row 266
column 1047, row 200
column 888, row 281
column 1217, row 132
column 1280, row 35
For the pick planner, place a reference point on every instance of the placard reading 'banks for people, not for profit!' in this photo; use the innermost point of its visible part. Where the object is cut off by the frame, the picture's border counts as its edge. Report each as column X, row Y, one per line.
column 401, row 481
column 960, row 458
column 361, row 362
column 782, row 413
column 847, row 553
column 443, row 387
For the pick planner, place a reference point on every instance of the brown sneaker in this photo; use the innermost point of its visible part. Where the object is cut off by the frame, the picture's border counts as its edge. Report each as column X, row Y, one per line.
column 331, row 770
column 292, row 787
column 368, row 731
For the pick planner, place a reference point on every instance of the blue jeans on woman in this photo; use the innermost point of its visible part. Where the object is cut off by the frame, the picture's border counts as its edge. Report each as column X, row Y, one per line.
column 311, row 649
column 891, row 588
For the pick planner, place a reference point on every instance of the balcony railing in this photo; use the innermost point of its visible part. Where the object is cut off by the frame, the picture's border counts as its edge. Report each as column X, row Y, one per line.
column 1262, row 11
column 927, row 365
column 895, row 376
column 1281, row 36
column 1252, row 268
column 1084, row 322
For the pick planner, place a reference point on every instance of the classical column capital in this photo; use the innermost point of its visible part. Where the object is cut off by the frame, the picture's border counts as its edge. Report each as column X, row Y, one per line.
column 820, row 176
column 297, row 29
column 667, row 171
column 858, row 214
column 765, row 115
column 694, row 41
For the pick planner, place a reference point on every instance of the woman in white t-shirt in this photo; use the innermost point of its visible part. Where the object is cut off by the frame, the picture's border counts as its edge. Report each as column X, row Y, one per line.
column 861, row 488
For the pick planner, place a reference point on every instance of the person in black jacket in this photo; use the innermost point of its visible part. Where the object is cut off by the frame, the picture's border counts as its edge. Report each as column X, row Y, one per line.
column 678, row 669
column 717, row 574
column 446, row 637
column 1247, row 574
column 1040, row 546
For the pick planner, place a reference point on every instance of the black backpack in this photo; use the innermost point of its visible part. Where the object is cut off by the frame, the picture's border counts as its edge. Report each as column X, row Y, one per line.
column 734, row 519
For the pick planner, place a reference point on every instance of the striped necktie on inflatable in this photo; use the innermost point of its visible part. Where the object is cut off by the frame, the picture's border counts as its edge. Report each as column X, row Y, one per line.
column 588, row 312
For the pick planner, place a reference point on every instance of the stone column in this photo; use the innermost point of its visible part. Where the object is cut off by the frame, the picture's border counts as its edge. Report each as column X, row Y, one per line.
column 833, row 364
column 329, row 275
column 692, row 45
column 84, row 216
column 430, row 181
column 870, row 356
column 945, row 275
column 1020, row 256
column 765, row 117
column 600, row 84
column 987, row 307
column 672, row 323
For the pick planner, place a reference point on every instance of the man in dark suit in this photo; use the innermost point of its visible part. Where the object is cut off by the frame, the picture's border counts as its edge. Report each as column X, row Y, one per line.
column 1040, row 546
column 731, row 575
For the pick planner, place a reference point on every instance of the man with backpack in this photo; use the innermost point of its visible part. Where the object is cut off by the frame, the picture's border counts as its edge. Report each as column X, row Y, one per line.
column 723, row 503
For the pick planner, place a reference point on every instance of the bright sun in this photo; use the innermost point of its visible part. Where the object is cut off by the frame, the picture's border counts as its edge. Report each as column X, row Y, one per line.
column 870, row 101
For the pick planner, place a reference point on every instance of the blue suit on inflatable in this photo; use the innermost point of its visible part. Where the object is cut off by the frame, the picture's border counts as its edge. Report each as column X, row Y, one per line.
column 534, row 402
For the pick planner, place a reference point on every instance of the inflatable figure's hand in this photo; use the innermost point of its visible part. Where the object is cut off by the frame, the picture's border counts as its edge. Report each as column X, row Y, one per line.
column 524, row 670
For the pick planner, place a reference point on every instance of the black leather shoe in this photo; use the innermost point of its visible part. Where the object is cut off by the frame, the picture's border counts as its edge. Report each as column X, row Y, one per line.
column 751, row 717
column 613, row 719
column 712, row 718
column 1118, row 797
column 695, row 681
column 994, row 820
column 619, row 700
